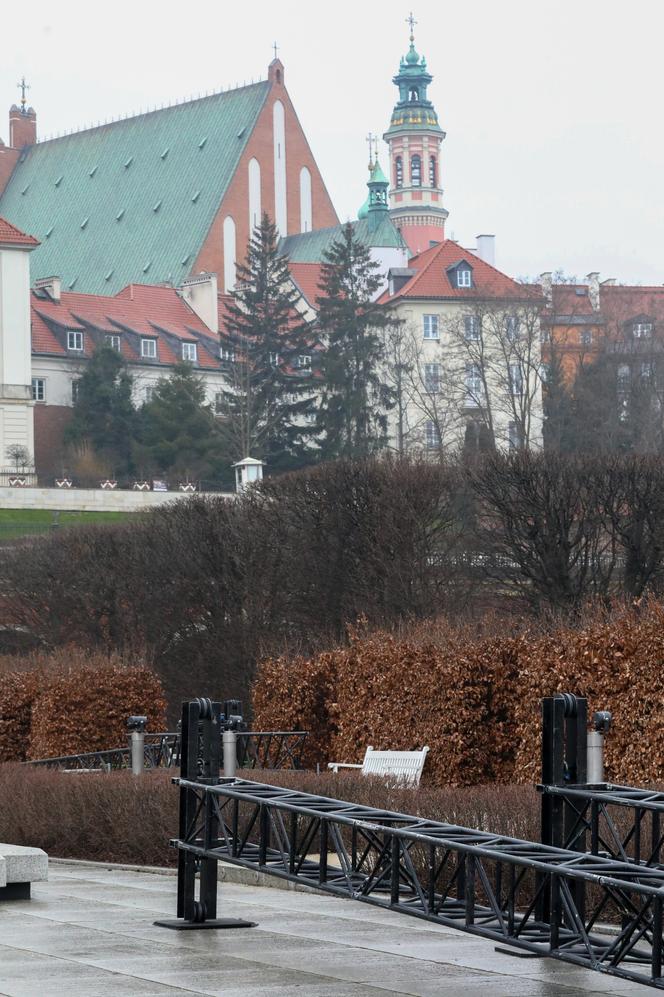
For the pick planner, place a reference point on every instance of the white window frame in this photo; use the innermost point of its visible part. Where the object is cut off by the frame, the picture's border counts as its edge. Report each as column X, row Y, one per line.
column 149, row 349
column 474, row 385
column 39, row 389
column 464, row 277
column 642, row 330
column 148, row 393
column 431, row 435
column 514, row 436
column 274, row 359
column 430, row 327
column 512, row 328
column 304, row 361
column 516, row 380
column 112, row 340
column 74, row 338
column 586, row 337
column 190, row 352
column 432, row 378
column 472, row 327
column 226, row 355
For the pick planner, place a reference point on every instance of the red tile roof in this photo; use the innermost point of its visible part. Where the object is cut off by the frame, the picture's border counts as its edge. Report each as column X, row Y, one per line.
column 137, row 311
column 617, row 302
column 307, row 278
column 10, row 235
column 433, row 279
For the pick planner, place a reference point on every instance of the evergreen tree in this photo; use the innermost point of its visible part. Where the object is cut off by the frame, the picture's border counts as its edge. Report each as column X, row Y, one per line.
column 265, row 404
column 178, row 432
column 355, row 395
column 104, row 414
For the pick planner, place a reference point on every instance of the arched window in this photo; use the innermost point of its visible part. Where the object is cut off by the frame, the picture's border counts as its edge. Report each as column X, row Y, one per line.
column 305, row 200
column 416, row 171
column 279, row 135
column 433, row 178
column 254, row 171
column 414, row 93
column 229, row 254
column 398, row 172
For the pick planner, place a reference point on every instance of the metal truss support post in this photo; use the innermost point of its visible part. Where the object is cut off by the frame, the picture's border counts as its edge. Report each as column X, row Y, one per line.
column 199, row 762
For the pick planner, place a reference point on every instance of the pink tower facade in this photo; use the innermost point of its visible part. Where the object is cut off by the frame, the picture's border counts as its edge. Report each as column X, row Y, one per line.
column 414, row 139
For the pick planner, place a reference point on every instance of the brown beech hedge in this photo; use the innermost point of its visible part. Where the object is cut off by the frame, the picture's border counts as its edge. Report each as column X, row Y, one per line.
column 476, row 701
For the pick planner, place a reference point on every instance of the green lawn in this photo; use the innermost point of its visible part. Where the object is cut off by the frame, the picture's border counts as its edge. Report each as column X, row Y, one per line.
column 23, row 522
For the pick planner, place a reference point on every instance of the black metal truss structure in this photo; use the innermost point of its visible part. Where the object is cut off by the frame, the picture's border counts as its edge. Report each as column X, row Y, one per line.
column 255, row 750
column 539, row 897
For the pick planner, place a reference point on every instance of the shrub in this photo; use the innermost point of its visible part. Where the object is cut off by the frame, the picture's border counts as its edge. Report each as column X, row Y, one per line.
column 86, row 709
column 119, row 818
column 18, row 691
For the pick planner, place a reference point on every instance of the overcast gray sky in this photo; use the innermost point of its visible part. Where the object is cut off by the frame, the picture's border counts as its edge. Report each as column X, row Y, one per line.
column 553, row 111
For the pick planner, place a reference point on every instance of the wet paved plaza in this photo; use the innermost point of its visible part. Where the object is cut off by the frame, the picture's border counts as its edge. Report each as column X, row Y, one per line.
column 88, row 932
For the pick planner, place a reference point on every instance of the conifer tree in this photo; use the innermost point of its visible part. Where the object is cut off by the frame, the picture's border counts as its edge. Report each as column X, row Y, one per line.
column 355, row 395
column 178, row 432
column 103, row 413
column 272, row 359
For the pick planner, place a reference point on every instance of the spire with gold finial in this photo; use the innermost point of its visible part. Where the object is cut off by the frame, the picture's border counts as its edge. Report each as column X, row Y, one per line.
column 23, row 86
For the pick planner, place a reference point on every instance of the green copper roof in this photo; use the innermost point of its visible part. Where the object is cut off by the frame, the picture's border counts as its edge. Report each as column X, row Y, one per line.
column 131, row 201
column 310, row 247
column 377, row 175
column 364, row 210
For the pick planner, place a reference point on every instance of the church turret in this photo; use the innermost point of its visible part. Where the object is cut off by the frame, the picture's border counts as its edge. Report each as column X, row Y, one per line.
column 414, row 138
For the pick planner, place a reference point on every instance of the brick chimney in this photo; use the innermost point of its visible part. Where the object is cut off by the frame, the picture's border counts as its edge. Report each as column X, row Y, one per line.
column 22, row 127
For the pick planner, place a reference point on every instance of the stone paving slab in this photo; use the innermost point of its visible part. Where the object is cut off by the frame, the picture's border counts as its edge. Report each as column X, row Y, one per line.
column 89, row 932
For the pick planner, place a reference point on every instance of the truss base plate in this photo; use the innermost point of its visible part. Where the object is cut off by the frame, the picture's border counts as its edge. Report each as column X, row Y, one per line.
column 220, row 922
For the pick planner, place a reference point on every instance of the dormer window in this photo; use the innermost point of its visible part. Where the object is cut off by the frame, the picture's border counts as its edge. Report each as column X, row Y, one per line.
column 228, row 356
column 642, row 330
column 189, row 352
column 304, row 361
column 149, row 349
column 74, row 341
column 112, row 341
column 464, row 277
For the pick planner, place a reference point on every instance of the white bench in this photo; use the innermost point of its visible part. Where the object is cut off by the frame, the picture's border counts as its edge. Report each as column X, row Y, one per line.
column 402, row 766
column 19, row 867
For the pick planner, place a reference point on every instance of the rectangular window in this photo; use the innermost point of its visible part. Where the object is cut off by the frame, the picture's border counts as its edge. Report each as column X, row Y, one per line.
column 516, row 379
column 474, row 385
column 149, row 349
column 464, row 278
column 545, row 372
column 623, row 377
column 148, row 392
column 642, row 330
column 471, row 328
column 432, row 435
column 274, row 359
column 74, row 340
column 545, row 335
column 112, row 341
column 304, row 361
column 189, row 352
column 512, row 328
column 228, row 356
column 74, row 391
column 430, row 324
column 218, row 401
column 514, row 436
column 646, row 371
column 39, row 389
column 586, row 337
column 432, row 378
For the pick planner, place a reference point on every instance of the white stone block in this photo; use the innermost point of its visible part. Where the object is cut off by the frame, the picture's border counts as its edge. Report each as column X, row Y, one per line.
column 3, row 873
column 23, row 865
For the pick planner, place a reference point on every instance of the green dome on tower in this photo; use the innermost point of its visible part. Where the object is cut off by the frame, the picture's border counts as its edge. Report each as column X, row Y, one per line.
column 413, row 110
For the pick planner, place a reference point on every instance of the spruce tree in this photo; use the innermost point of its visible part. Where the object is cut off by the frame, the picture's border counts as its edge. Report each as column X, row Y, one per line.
column 355, row 395
column 178, row 433
column 265, row 405
column 103, row 413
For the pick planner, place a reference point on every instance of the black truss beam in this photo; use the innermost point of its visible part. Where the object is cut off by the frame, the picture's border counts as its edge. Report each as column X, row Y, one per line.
column 487, row 884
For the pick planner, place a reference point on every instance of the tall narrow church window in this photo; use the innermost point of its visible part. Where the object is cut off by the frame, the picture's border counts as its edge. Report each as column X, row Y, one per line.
column 433, row 172
column 398, row 172
column 254, row 194
column 230, row 254
column 279, row 140
column 306, row 222
column 416, row 171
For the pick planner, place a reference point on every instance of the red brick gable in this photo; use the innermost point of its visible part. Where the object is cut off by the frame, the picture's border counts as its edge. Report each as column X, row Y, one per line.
column 12, row 236
column 236, row 200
